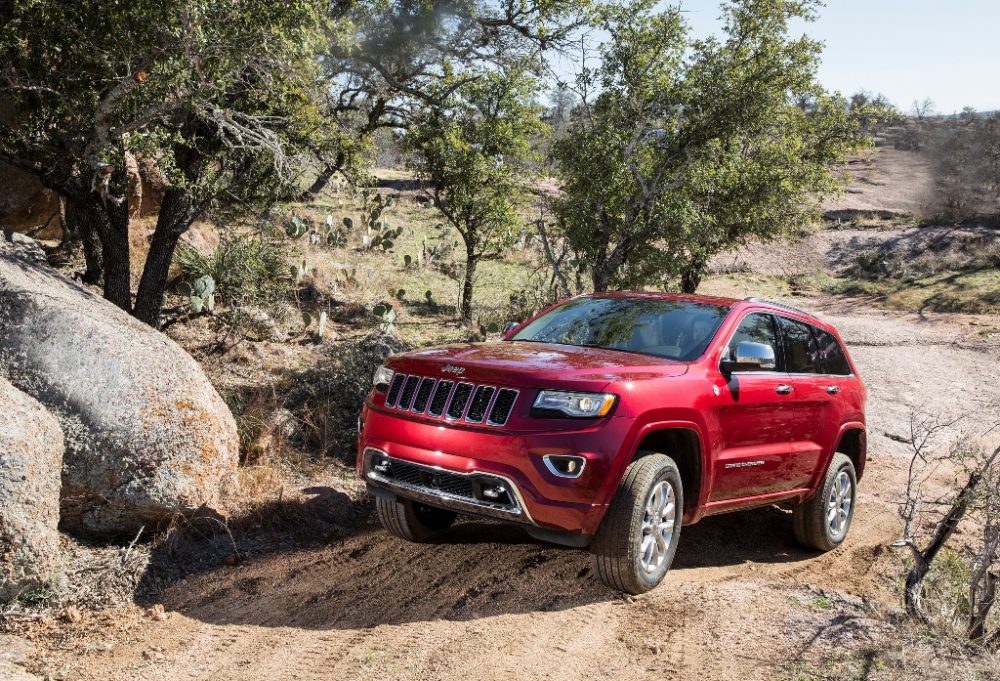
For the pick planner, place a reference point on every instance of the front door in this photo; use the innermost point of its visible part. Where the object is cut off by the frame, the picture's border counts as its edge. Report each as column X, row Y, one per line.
column 759, row 422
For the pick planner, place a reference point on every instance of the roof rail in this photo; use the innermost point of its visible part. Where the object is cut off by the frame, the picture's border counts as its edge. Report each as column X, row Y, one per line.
column 754, row 299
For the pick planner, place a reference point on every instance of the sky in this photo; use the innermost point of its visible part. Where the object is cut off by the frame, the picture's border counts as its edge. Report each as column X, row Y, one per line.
column 945, row 50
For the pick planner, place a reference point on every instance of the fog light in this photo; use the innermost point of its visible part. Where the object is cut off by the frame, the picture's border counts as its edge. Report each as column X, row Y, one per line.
column 565, row 466
column 494, row 491
column 382, row 466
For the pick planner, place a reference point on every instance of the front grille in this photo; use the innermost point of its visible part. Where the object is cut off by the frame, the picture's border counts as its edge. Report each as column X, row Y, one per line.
column 476, row 403
column 502, row 407
column 409, row 388
column 480, row 400
column 459, row 400
column 440, row 398
column 441, row 481
column 397, row 385
column 423, row 394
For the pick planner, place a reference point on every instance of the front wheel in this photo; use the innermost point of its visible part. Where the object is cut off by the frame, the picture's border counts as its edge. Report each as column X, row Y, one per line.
column 411, row 520
column 823, row 521
column 638, row 539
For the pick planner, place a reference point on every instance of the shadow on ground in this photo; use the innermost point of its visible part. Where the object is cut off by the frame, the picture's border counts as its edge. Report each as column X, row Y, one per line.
column 324, row 564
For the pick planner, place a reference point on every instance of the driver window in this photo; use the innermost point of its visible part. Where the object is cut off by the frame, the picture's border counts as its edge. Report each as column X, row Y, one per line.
column 755, row 328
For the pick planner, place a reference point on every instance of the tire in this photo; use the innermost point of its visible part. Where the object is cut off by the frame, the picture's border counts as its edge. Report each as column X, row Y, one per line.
column 413, row 521
column 622, row 560
column 813, row 521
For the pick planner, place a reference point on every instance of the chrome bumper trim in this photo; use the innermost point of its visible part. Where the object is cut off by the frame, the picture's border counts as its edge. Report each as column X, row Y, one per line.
column 517, row 513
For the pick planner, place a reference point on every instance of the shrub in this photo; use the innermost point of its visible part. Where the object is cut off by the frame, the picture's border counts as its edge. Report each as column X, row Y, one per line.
column 327, row 399
column 247, row 268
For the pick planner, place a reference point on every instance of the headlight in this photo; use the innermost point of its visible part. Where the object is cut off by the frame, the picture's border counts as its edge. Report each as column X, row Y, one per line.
column 383, row 377
column 576, row 405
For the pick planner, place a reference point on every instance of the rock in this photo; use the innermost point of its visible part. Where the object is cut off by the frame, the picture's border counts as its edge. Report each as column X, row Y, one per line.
column 72, row 615
column 31, row 455
column 147, row 435
column 26, row 247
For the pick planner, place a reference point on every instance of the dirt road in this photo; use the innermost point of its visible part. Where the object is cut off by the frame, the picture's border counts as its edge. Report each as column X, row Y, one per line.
column 742, row 601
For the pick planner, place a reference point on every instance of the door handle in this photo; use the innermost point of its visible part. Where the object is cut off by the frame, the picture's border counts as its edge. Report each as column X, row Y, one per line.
column 833, row 389
column 783, row 389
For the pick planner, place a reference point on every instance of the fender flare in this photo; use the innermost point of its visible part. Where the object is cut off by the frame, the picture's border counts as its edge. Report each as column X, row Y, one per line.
column 670, row 424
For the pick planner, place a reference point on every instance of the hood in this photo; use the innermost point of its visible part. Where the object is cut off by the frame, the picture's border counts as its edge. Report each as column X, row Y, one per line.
column 528, row 364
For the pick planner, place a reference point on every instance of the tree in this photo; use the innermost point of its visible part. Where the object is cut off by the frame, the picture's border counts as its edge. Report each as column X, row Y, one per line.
column 388, row 60
column 218, row 92
column 472, row 151
column 693, row 147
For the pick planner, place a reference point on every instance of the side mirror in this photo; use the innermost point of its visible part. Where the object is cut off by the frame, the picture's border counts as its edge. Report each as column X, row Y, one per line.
column 751, row 357
column 511, row 327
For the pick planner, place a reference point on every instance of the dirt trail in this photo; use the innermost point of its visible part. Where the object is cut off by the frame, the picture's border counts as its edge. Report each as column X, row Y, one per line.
column 742, row 601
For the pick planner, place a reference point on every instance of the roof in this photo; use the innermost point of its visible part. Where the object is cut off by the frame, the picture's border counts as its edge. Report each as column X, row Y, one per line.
column 686, row 297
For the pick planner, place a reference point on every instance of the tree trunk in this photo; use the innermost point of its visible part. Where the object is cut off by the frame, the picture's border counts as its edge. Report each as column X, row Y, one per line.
column 982, row 604
column 471, row 260
column 82, row 219
column 922, row 560
column 319, row 184
column 176, row 215
column 117, row 266
column 691, row 277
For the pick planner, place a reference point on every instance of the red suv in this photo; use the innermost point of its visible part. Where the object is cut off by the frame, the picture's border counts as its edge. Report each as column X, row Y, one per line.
column 610, row 420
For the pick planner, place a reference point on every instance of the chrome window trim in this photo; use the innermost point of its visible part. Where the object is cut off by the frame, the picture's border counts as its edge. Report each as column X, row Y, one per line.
column 771, row 373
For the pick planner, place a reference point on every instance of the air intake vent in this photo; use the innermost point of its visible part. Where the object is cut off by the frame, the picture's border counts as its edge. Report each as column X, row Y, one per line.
column 460, row 399
column 423, row 394
column 409, row 388
column 397, row 384
column 480, row 401
column 502, row 407
column 440, row 398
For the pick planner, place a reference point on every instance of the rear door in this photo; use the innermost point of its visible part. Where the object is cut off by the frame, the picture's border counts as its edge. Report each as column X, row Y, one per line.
column 812, row 401
column 756, row 416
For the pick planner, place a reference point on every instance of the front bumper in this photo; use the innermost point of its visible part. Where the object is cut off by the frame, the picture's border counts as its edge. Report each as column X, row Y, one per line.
column 539, row 499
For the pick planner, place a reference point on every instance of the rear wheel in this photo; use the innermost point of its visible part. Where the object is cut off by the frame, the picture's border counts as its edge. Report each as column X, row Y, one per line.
column 411, row 520
column 638, row 539
column 823, row 521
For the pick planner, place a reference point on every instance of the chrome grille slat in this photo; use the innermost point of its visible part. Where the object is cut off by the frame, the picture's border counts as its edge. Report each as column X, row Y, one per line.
column 503, row 405
column 440, row 399
column 409, row 389
column 393, row 394
column 423, row 394
column 459, row 401
column 481, row 398
column 454, row 401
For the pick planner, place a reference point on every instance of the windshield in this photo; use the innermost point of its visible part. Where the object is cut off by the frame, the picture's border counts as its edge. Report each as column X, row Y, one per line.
column 673, row 329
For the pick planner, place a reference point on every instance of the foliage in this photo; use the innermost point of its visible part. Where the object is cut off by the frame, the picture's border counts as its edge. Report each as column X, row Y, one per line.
column 222, row 94
column 473, row 152
column 694, row 146
column 247, row 269
column 200, row 293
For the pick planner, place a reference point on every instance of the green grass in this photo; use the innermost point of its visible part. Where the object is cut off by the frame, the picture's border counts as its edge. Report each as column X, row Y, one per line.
column 972, row 291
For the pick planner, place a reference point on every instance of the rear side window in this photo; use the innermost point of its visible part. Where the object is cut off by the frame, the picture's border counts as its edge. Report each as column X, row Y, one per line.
column 801, row 353
column 831, row 354
column 755, row 328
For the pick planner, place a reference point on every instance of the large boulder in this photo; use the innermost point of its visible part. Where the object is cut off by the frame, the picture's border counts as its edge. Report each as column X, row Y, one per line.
column 147, row 435
column 31, row 455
